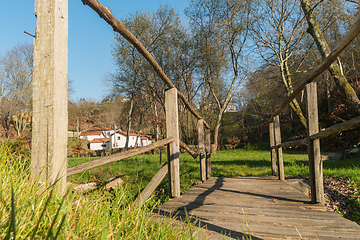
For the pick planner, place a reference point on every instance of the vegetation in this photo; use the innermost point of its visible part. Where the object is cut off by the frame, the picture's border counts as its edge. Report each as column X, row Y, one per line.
column 252, row 160
column 28, row 213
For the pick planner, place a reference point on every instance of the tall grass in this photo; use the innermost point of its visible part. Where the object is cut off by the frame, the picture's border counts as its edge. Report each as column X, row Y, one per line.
column 28, row 213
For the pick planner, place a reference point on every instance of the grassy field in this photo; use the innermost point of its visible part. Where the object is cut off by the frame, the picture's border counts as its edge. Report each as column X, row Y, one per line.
column 138, row 171
column 28, row 213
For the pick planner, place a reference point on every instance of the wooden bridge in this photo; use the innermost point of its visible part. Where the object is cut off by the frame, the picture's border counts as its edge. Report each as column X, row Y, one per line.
column 228, row 208
column 266, row 207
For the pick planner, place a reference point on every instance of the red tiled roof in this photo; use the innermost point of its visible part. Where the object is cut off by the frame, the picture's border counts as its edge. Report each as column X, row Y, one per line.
column 91, row 133
column 125, row 133
column 144, row 138
column 100, row 140
column 101, row 128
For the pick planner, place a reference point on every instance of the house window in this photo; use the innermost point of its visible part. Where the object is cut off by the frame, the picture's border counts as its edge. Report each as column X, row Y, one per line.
column 103, row 145
column 118, row 138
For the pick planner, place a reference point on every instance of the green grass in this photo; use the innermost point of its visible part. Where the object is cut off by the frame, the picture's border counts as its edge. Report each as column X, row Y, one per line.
column 26, row 212
column 139, row 170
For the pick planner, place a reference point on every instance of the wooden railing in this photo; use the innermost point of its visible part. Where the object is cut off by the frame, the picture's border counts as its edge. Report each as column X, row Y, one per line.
column 172, row 167
column 313, row 134
column 172, row 123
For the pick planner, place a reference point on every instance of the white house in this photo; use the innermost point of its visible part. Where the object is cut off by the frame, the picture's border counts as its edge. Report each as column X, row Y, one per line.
column 92, row 135
column 98, row 132
column 118, row 140
column 100, row 144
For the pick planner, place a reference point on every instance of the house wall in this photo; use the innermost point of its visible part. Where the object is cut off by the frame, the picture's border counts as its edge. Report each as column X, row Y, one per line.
column 98, row 146
column 92, row 137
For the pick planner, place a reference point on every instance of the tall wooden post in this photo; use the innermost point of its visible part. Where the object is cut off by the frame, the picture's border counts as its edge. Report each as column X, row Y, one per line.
column 279, row 154
column 208, row 152
column 315, row 162
column 172, row 130
column 272, row 148
column 50, row 77
column 200, row 131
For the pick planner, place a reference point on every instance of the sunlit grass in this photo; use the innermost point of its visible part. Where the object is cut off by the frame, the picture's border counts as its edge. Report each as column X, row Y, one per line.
column 28, row 213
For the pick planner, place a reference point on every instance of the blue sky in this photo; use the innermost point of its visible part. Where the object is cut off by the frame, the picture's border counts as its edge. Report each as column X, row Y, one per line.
column 90, row 38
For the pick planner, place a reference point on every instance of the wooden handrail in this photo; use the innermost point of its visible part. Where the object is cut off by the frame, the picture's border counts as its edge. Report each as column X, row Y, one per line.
column 149, row 189
column 188, row 149
column 348, row 125
column 116, row 157
column 118, row 27
column 353, row 32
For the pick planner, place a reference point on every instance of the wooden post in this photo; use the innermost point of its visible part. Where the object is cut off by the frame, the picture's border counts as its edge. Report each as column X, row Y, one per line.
column 172, row 130
column 50, row 77
column 315, row 162
column 272, row 148
column 279, row 154
column 200, row 131
column 208, row 153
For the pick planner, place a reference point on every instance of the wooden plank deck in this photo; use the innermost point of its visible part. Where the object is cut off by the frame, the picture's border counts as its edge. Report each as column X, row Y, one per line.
column 273, row 210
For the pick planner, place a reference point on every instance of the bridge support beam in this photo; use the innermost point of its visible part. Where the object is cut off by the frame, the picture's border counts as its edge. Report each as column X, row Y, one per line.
column 279, row 153
column 272, row 148
column 315, row 162
column 200, row 131
column 172, row 130
column 50, row 77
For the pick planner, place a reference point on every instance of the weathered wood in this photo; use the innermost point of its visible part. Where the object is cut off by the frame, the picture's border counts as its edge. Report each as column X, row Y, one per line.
column 278, row 149
column 200, row 131
column 208, row 152
column 351, row 124
column 345, row 126
column 351, row 34
column 117, row 157
column 188, row 149
column 315, row 162
column 50, row 77
column 152, row 185
column 118, row 27
column 295, row 143
column 172, row 130
column 273, row 210
column 272, row 148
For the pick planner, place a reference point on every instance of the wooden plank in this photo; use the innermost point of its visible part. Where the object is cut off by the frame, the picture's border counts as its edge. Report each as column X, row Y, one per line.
column 278, row 149
column 272, row 148
column 172, row 130
column 200, row 131
column 219, row 205
column 351, row 34
column 208, row 153
column 116, row 157
column 345, row 126
column 50, row 80
column 188, row 149
column 152, row 185
column 315, row 162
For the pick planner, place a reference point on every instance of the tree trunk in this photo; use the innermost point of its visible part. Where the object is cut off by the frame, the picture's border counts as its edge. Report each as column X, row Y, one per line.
column 129, row 124
column 216, row 133
column 335, row 68
column 139, row 131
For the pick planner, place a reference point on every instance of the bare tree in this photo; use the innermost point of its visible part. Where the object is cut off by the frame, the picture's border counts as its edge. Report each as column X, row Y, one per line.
column 16, row 89
column 335, row 68
column 279, row 34
column 222, row 27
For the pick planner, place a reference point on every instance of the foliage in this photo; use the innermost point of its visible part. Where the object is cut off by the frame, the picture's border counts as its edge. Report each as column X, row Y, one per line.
column 26, row 212
column 80, row 147
column 234, row 141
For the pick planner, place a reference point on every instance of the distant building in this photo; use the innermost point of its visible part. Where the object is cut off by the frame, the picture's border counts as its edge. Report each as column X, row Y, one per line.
column 102, row 138
column 231, row 108
column 100, row 144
